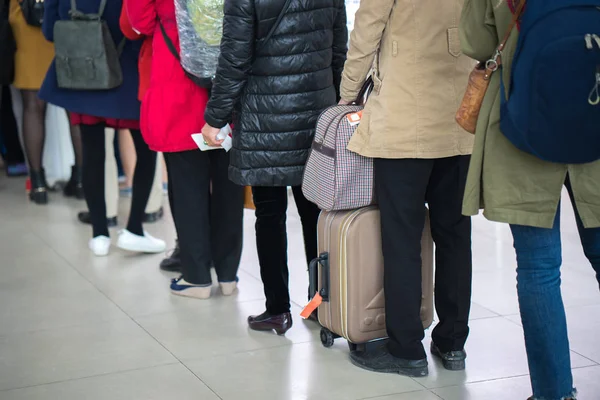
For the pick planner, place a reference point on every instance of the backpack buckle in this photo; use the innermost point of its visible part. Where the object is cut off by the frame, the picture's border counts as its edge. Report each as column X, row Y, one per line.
column 594, row 98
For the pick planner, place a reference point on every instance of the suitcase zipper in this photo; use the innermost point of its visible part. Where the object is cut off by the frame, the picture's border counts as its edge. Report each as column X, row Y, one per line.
column 346, row 224
column 329, row 222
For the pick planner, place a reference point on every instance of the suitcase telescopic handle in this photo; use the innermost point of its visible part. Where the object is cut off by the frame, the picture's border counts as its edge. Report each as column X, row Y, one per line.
column 313, row 274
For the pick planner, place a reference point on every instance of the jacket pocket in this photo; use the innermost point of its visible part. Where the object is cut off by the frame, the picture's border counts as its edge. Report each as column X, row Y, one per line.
column 454, row 42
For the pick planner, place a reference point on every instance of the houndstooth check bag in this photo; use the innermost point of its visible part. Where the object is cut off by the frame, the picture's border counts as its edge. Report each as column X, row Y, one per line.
column 336, row 178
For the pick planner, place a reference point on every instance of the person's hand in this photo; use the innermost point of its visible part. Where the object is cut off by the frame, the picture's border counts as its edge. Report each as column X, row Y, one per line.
column 344, row 102
column 210, row 136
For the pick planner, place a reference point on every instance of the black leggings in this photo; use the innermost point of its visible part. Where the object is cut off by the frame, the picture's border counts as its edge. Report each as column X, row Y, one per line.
column 94, row 155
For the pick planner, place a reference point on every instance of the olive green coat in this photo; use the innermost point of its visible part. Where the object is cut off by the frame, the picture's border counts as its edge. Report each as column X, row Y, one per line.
column 510, row 185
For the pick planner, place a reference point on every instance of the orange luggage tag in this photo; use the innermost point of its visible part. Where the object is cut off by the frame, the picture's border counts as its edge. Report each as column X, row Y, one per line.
column 311, row 306
column 354, row 118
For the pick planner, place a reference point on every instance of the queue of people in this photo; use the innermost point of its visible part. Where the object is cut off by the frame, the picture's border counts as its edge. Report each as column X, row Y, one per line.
column 281, row 64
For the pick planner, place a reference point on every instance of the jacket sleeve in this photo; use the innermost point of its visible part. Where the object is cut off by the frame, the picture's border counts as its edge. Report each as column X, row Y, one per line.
column 478, row 34
column 50, row 17
column 125, row 25
column 340, row 44
column 142, row 16
column 235, row 61
column 369, row 23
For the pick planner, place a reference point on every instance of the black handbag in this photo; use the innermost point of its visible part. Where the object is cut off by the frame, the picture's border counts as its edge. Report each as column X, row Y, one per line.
column 8, row 47
column 33, row 11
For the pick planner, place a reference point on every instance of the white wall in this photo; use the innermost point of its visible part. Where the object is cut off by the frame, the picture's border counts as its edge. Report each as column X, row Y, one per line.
column 351, row 7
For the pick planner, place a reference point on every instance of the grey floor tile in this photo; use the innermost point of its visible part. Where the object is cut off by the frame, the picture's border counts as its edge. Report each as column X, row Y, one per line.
column 220, row 329
column 157, row 383
column 50, row 304
column 584, row 325
column 501, row 389
column 78, row 351
column 39, row 286
column 302, row 371
column 587, row 381
column 420, row 395
column 495, row 350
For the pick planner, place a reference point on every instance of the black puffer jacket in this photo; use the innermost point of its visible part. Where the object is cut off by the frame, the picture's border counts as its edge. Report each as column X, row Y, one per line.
column 276, row 93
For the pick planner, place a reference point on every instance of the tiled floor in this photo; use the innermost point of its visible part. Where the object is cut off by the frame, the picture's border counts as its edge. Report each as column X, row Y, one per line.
column 77, row 327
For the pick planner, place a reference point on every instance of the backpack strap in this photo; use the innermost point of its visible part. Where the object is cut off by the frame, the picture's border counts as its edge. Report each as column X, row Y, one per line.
column 74, row 13
column 274, row 27
column 101, row 8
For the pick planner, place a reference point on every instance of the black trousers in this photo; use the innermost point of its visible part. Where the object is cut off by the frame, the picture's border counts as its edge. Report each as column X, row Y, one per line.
column 9, row 132
column 271, row 240
column 209, row 222
column 94, row 157
column 403, row 186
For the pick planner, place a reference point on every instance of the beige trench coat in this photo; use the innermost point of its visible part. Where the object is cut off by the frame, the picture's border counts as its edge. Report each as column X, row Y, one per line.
column 420, row 77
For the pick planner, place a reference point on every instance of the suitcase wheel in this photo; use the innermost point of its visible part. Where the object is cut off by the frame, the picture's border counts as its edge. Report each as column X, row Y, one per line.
column 327, row 337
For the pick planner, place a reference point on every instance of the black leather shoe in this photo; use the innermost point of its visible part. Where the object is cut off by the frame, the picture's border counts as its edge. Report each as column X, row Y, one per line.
column 381, row 360
column 173, row 262
column 74, row 188
column 280, row 323
column 153, row 217
column 84, row 217
column 452, row 360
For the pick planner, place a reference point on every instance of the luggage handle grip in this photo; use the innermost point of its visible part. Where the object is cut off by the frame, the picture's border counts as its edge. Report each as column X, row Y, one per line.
column 313, row 273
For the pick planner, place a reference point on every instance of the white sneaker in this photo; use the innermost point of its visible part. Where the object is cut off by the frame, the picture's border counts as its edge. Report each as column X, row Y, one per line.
column 100, row 245
column 140, row 244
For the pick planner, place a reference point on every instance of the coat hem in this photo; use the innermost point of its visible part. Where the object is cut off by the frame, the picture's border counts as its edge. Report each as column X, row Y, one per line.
column 173, row 149
column 519, row 217
column 396, row 154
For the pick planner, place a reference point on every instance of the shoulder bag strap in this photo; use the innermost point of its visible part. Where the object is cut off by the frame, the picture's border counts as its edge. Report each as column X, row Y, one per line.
column 169, row 42
column 364, row 92
column 275, row 26
column 494, row 63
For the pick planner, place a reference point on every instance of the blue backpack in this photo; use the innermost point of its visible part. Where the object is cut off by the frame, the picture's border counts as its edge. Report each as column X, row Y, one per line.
column 553, row 105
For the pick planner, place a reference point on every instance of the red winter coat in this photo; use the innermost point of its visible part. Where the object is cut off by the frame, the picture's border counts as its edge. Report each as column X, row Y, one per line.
column 145, row 61
column 173, row 107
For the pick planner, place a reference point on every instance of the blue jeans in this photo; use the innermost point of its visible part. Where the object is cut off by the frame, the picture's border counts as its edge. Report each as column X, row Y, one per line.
column 539, row 260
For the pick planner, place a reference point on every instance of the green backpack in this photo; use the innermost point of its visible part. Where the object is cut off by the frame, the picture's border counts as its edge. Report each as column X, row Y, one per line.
column 86, row 55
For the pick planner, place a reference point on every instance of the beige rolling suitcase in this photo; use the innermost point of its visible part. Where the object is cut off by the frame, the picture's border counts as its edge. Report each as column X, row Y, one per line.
column 349, row 276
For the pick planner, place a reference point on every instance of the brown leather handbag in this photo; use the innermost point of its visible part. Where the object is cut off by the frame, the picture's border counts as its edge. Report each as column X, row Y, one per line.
column 479, row 81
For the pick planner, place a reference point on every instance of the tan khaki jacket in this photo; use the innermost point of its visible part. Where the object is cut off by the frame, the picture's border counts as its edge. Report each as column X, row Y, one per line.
column 420, row 78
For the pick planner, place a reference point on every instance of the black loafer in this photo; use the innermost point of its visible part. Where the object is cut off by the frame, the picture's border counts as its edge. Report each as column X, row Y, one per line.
column 153, row 217
column 280, row 323
column 452, row 360
column 84, row 217
column 381, row 360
